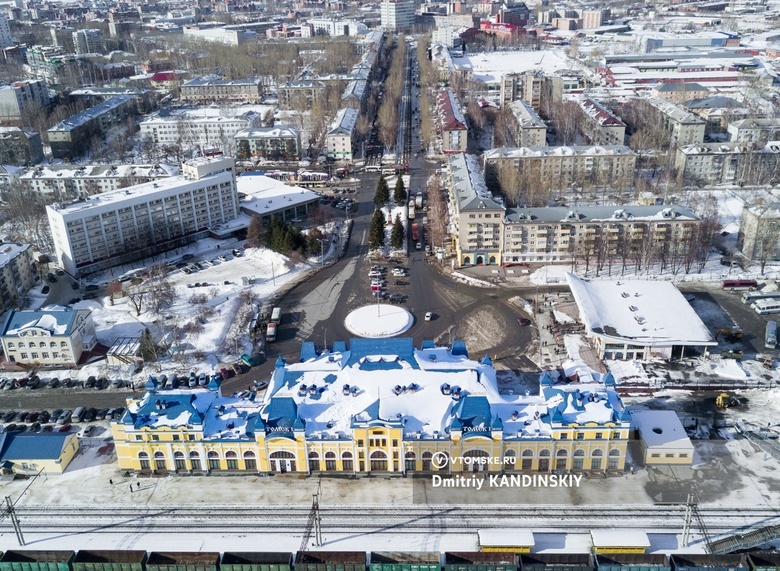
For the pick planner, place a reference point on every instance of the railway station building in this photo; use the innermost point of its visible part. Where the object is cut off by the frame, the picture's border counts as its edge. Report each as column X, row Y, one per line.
column 377, row 406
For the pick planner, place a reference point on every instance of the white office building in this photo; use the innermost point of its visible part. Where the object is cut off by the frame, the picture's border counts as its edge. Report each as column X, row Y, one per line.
column 129, row 224
column 396, row 15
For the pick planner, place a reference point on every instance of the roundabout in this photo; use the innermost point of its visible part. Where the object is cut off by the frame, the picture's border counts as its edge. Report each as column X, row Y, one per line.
column 378, row 320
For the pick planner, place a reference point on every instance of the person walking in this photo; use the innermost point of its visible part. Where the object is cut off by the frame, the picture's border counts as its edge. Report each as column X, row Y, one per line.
column 131, row 488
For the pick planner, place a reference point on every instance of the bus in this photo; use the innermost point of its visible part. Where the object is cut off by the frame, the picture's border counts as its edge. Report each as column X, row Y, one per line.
column 771, row 335
column 733, row 285
column 752, row 296
column 767, row 306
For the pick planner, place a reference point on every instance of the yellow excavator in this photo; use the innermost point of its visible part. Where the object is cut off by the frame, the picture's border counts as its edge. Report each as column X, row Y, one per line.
column 730, row 334
column 725, row 400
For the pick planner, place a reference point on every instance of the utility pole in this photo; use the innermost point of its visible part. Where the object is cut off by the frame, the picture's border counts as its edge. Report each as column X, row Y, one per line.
column 688, row 517
column 314, row 522
column 14, row 520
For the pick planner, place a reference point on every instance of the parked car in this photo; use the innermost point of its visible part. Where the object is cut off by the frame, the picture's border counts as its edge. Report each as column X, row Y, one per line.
column 118, row 412
column 101, row 414
column 55, row 415
column 33, row 382
column 44, row 417
column 74, row 285
column 45, row 289
column 428, row 316
column 89, row 431
column 91, row 382
column 89, row 415
column 237, row 368
column 53, row 383
column 225, row 373
column 92, row 287
column 64, row 417
column 523, row 321
column 116, row 383
column 8, row 416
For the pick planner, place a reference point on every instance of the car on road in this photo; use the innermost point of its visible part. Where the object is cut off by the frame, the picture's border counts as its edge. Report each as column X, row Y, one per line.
column 428, row 250
column 428, row 316
column 523, row 321
column 400, row 283
column 419, row 245
column 92, row 287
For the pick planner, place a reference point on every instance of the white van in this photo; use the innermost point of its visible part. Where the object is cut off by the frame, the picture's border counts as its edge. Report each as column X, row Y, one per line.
column 78, row 414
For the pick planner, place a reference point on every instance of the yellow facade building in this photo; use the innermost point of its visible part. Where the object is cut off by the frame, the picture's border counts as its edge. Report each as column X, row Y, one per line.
column 379, row 406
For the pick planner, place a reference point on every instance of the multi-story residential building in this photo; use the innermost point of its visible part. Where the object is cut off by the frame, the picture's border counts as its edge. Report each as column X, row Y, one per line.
column 330, row 27
column 570, row 427
column 452, row 124
column 18, row 147
column 529, row 129
column 17, row 274
column 5, row 32
column 476, row 216
column 71, row 138
column 212, row 88
column 190, row 127
column 271, row 143
column 355, row 93
column 759, row 232
column 228, row 35
column 69, row 182
column 560, row 234
column 129, row 224
column 299, row 94
column 684, row 127
column 340, row 140
column 601, row 126
column 564, row 166
column 679, row 92
column 754, row 130
column 734, row 163
column 144, row 98
column 397, row 15
column 48, row 338
column 55, row 67
column 532, row 87
column 21, row 98
column 87, row 41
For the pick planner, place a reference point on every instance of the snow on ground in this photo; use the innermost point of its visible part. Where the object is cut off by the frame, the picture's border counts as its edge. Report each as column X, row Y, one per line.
column 380, row 320
column 490, row 67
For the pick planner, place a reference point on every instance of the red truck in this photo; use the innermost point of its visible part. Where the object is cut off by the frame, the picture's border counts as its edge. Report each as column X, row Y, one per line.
column 415, row 232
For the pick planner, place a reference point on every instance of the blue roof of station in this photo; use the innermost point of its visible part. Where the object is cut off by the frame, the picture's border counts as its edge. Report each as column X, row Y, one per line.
column 32, row 446
column 403, row 347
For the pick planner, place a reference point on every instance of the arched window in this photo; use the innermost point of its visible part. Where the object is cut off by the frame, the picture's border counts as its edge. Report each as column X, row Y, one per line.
column 579, row 453
column 562, row 453
column 178, row 460
column 410, row 461
column 544, row 453
column 159, row 461
column 595, row 461
column 250, row 462
column 283, row 461
column 614, row 452
column 231, row 458
column 314, row 462
column 347, row 463
column 528, row 453
column 378, row 461
column 213, row 459
column 597, row 453
column 613, row 463
column 560, row 459
column 143, row 458
column 427, row 465
column 330, row 461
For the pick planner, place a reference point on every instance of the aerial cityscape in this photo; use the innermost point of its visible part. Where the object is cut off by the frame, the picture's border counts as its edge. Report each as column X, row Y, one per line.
column 405, row 285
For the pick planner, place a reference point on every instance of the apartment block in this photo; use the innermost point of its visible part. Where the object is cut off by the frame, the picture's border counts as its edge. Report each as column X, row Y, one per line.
column 754, row 129
column 684, row 127
column 397, row 15
column 529, row 129
column 87, row 41
column 601, row 126
column 532, row 87
column 17, row 274
column 129, row 224
column 271, row 143
column 5, row 32
column 759, row 232
column 145, row 99
column 70, row 182
column 71, row 138
column 564, row 166
column 734, row 163
column 19, row 147
column 30, row 96
column 299, row 93
column 212, row 88
column 192, row 127
column 48, row 338
column 340, row 140
column 476, row 215
column 680, row 92
column 561, row 234
column 452, row 124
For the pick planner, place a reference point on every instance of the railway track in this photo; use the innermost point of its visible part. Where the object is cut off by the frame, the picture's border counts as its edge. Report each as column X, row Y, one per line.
column 208, row 518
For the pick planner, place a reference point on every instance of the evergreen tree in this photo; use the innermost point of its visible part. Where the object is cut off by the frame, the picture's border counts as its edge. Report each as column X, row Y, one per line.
column 376, row 232
column 254, row 234
column 397, row 235
column 382, row 195
column 147, row 347
column 399, row 195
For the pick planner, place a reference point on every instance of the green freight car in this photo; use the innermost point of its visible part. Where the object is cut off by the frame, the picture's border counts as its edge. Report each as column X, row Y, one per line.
column 710, row 562
column 255, row 561
column 178, row 561
column 404, row 561
column 764, row 561
column 330, row 561
column 558, row 562
column 36, row 560
column 633, row 562
column 479, row 561
column 109, row 560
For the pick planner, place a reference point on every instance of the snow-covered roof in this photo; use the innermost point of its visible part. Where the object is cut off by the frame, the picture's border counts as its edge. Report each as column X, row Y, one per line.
column 92, row 113
column 675, row 112
column 267, row 133
column 634, row 213
column 525, row 115
column 639, row 312
column 344, row 122
column 505, row 538
column 574, row 150
column 661, row 429
column 59, row 321
column 600, row 114
column 60, row 172
column 468, row 184
column 10, row 251
column 450, row 113
column 491, row 67
column 264, row 195
column 631, row 538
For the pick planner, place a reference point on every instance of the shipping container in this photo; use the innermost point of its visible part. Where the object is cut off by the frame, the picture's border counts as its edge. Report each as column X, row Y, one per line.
column 764, row 561
column 182, row 561
column 330, row 561
column 255, row 561
column 404, row 561
column 480, row 561
column 633, row 562
column 709, row 562
column 558, row 562
column 109, row 560
column 36, row 560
